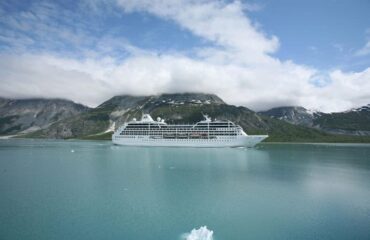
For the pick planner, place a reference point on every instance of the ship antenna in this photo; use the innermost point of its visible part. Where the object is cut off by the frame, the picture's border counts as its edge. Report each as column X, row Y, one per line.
column 206, row 117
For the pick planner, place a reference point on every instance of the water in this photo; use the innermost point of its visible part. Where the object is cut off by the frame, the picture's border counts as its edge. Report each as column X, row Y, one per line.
column 94, row 190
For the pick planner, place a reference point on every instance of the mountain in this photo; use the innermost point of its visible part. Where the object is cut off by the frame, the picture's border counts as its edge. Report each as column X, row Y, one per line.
column 99, row 123
column 29, row 115
column 295, row 115
column 353, row 122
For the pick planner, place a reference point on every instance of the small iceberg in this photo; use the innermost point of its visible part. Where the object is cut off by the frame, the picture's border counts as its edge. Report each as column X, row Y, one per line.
column 203, row 233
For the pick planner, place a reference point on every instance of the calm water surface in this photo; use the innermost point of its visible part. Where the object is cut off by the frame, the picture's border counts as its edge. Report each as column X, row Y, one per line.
column 94, row 190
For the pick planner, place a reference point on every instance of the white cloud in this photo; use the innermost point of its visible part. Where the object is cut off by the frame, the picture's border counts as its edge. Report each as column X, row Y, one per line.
column 28, row 76
column 365, row 50
column 239, row 66
column 222, row 23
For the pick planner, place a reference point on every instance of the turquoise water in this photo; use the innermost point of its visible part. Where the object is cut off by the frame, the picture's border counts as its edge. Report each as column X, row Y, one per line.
column 94, row 190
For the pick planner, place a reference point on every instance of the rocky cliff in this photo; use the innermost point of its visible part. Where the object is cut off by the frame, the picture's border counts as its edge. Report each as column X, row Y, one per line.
column 29, row 115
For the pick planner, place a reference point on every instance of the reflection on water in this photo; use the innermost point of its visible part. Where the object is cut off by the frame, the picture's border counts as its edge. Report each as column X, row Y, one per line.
column 95, row 190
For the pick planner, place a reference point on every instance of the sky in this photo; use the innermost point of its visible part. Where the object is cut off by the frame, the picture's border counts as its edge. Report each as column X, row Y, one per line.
column 259, row 54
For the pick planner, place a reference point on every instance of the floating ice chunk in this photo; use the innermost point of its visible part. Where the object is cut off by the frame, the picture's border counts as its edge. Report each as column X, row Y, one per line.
column 72, row 151
column 203, row 233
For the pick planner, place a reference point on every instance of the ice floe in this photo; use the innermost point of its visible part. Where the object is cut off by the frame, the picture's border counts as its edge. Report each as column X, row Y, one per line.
column 203, row 233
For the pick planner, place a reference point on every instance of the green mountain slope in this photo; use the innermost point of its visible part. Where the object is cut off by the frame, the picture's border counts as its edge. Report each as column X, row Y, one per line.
column 353, row 120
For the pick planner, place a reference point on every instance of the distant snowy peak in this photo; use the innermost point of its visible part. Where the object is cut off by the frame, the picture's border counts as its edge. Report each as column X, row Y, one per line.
column 360, row 109
column 187, row 98
column 314, row 112
column 355, row 121
column 293, row 114
column 127, row 101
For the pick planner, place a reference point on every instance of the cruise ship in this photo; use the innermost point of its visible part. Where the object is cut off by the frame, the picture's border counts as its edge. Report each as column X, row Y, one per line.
column 206, row 133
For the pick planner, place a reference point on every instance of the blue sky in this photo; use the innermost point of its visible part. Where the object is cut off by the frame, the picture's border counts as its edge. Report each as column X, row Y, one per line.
column 307, row 49
column 324, row 34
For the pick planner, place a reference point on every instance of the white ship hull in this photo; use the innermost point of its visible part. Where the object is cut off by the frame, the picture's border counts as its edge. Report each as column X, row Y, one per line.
column 239, row 141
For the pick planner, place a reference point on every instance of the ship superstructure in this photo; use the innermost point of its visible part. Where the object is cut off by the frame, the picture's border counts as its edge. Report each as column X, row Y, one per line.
column 206, row 133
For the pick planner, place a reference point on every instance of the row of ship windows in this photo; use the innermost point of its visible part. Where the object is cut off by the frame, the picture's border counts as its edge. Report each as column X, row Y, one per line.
column 184, row 135
column 154, row 131
column 128, row 136
column 172, row 128
column 180, row 125
column 177, row 139
column 180, row 129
